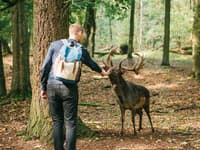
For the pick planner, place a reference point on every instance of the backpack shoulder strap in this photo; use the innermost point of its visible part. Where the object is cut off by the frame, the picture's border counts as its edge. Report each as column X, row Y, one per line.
column 63, row 47
column 79, row 46
column 65, row 42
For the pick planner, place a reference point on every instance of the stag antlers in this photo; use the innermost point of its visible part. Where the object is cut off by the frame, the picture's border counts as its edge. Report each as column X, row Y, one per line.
column 136, row 66
column 113, row 51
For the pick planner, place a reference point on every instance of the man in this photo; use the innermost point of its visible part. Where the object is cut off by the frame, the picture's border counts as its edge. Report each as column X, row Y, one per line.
column 63, row 98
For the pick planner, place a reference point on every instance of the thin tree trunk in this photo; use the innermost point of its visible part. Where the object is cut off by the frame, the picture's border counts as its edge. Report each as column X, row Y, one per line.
column 21, row 77
column 131, row 32
column 15, row 85
column 2, row 77
column 25, row 85
column 110, row 29
column 196, row 40
column 90, row 27
column 141, row 25
column 165, row 59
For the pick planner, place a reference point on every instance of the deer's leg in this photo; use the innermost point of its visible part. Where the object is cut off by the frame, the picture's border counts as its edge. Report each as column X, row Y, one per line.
column 122, row 121
column 133, row 121
column 139, row 111
column 146, row 108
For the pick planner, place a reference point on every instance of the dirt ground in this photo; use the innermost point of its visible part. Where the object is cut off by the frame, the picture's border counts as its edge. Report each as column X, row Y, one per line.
column 175, row 109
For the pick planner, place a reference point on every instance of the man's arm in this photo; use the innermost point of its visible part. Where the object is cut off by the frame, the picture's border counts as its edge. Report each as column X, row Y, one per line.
column 87, row 60
column 46, row 68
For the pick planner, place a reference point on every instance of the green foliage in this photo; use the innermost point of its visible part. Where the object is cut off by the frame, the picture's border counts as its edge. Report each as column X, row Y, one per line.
column 115, row 9
column 29, row 14
column 77, row 10
column 180, row 27
column 6, row 22
column 5, row 25
column 153, row 23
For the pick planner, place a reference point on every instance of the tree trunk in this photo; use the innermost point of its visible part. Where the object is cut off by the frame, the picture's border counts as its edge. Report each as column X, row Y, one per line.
column 131, row 32
column 141, row 25
column 90, row 27
column 50, row 24
column 110, row 29
column 15, row 46
column 21, row 77
column 196, row 40
column 165, row 59
column 2, row 77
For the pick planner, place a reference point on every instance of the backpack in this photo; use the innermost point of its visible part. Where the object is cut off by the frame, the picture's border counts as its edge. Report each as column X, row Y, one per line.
column 67, row 67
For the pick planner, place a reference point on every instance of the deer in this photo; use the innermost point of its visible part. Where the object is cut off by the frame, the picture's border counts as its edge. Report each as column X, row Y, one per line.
column 130, row 96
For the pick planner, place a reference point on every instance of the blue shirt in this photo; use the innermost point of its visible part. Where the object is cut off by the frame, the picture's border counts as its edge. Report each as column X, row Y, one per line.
column 47, row 76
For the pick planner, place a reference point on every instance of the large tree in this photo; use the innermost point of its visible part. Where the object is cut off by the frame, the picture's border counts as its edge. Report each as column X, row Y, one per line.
column 131, row 32
column 196, row 40
column 21, row 76
column 165, row 59
column 51, row 21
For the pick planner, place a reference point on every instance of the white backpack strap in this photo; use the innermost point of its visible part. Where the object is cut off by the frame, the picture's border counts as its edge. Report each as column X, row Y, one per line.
column 65, row 42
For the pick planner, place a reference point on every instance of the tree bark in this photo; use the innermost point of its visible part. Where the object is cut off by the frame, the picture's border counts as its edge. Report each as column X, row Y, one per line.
column 165, row 59
column 50, row 24
column 2, row 77
column 196, row 40
column 131, row 32
column 90, row 27
column 21, row 86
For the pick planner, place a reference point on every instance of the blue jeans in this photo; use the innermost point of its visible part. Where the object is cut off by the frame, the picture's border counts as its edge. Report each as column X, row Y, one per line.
column 63, row 104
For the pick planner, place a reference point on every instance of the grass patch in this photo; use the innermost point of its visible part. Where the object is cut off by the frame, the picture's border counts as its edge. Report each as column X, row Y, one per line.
column 4, row 101
column 21, row 133
column 153, row 57
column 28, row 138
column 84, row 131
column 88, row 104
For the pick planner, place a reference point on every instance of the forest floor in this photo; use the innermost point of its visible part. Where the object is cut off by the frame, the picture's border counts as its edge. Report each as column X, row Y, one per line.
column 175, row 109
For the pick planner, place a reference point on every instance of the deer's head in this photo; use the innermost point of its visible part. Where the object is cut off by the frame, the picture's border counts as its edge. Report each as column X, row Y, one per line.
column 117, row 71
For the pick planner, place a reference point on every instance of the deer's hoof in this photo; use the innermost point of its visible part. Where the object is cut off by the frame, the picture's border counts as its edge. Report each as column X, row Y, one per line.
column 134, row 135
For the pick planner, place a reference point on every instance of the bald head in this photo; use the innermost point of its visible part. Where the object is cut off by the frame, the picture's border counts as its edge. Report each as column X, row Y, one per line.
column 75, row 29
column 76, row 32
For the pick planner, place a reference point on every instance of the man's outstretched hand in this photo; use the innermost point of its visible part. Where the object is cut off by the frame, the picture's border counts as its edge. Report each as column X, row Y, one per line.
column 105, row 73
column 43, row 94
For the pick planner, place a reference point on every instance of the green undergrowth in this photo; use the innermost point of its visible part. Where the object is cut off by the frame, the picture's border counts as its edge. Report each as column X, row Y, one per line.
column 90, row 104
column 84, row 131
